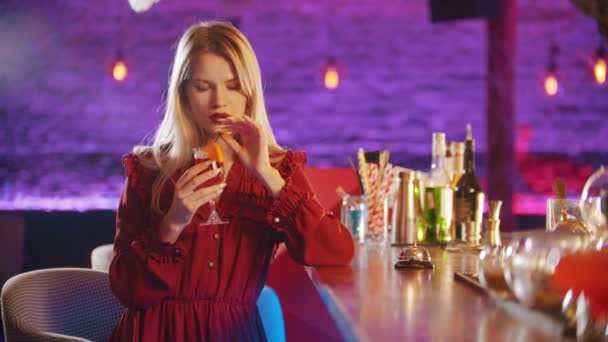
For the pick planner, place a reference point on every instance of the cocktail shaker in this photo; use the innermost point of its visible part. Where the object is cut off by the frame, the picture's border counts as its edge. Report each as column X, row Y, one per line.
column 406, row 210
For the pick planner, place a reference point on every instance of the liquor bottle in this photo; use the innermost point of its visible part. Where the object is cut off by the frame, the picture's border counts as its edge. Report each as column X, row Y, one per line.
column 458, row 159
column 449, row 160
column 438, row 196
column 467, row 188
column 457, row 172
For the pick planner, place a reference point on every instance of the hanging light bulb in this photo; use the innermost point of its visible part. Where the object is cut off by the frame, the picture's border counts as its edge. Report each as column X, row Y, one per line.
column 141, row 5
column 119, row 69
column 331, row 79
column 599, row 66
column 551, row 82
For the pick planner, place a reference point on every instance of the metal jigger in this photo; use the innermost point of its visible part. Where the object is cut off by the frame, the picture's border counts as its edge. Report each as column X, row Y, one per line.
column 472, row 234
column 493, row 224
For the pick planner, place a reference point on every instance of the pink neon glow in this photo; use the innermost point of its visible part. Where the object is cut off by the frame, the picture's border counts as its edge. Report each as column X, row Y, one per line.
column 526, row 204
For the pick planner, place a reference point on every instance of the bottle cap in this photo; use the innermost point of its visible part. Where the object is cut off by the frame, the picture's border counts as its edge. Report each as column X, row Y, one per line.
column 439, row 143
column 407, row 175
column 469, row 132
column 449, row 151
column 458, row 148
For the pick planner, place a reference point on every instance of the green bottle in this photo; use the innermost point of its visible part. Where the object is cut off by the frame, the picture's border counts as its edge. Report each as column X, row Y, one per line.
column 437, row 197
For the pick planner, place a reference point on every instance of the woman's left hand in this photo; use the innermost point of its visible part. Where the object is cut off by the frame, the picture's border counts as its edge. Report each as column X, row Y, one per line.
column 253, row 149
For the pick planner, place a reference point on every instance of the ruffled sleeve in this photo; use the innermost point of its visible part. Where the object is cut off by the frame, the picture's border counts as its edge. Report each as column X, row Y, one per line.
column 143, row 270
column 313, row 235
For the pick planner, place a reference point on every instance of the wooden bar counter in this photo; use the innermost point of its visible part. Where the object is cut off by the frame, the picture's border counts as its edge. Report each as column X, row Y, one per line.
column 372, row 301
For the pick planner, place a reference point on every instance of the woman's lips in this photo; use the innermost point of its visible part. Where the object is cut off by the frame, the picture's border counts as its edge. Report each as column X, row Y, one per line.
column 215, row 117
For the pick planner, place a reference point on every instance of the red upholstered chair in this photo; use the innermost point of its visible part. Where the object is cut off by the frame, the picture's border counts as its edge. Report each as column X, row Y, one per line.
column 306, row 317
column 325, row 181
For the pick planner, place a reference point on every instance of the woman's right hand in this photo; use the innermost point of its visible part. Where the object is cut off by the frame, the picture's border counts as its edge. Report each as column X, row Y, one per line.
column 188, row 197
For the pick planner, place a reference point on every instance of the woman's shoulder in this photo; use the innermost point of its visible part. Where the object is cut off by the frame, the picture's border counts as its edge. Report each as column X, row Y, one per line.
column 140, row 163
column 288, row 161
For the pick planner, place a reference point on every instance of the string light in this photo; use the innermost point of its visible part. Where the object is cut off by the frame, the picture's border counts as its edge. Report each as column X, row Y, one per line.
column 331, row 74
column 120, row 70
column 141, row 5
column 599, row 66
column 551, row 82
column 331, row 79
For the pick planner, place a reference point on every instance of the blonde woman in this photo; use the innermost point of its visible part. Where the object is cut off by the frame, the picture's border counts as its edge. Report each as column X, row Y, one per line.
column 182, row 280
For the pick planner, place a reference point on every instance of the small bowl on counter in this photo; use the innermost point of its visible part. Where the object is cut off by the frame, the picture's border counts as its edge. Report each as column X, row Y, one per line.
column 531, row 261
column 491, row 268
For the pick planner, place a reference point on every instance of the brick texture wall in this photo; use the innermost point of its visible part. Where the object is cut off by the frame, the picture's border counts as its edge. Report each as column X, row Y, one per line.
column 64, row 122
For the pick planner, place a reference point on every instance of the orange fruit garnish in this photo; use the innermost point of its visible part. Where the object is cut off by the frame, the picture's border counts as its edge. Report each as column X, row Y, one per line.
column 214, row 151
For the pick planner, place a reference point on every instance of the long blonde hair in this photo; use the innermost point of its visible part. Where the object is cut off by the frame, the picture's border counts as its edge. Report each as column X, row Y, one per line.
column 178, row 133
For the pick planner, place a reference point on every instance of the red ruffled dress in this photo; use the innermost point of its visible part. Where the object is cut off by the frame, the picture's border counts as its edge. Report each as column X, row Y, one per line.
column 205, row 286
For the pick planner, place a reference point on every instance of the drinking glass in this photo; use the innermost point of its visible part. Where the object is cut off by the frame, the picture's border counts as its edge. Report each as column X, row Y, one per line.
column 491, row 266
column 353, row 215
column 597, row 186
column 574, row 210
column 200, row 156
column 532, row 260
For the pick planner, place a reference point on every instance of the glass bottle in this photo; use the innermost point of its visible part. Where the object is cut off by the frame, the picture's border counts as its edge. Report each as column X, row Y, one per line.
column 458, row 159
column 449, row 160
column 467, row 188
column 457, row 172
column 438, row 197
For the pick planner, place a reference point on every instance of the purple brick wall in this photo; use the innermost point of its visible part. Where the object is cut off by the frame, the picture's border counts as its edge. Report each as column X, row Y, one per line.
column 65, row 122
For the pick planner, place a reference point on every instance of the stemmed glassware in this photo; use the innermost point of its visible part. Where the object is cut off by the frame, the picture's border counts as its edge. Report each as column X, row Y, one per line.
column 213, row 152
column 595, row 192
